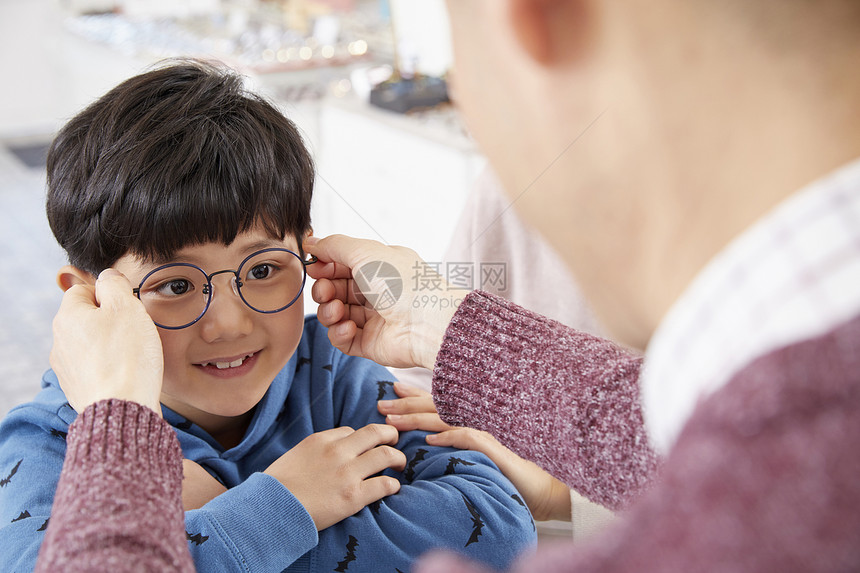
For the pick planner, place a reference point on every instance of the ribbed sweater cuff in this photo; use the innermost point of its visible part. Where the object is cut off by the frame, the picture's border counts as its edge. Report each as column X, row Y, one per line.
column 121, row 430
column 123, row 472
column 564, row 399
column 485, row 332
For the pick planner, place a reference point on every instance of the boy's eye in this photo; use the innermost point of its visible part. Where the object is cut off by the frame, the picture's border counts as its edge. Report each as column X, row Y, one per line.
column 175, row 287
column 262, row 271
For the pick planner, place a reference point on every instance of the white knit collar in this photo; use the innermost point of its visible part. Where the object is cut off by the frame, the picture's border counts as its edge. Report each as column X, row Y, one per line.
column 793, row 275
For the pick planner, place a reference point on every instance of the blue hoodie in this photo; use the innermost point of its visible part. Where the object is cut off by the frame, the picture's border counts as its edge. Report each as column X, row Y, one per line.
column 452, row 499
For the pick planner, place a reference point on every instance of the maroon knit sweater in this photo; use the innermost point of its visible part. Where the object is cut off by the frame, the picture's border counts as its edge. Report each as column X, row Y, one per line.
column 118, row 505
column 764, row 477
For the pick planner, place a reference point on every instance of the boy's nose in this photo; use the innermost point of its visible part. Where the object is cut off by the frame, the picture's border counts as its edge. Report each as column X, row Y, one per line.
column 228, row 316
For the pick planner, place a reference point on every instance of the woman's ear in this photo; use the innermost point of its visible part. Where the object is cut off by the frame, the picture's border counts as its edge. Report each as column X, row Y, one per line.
column 69, row 276
column 552, row 31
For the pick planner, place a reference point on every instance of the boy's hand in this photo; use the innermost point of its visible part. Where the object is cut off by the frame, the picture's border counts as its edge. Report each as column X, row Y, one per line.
column 366, row 299
column 330, row 472
column 106, row 346
column 546, row 497
column 198, row 487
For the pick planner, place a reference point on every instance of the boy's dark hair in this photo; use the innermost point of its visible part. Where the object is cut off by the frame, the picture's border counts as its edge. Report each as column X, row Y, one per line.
column 178, row 156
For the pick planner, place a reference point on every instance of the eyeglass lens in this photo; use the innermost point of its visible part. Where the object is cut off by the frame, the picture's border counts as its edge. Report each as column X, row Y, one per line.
column 178, row 294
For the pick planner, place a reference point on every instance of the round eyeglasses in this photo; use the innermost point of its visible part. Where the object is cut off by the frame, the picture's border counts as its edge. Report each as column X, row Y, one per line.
column 177, row 295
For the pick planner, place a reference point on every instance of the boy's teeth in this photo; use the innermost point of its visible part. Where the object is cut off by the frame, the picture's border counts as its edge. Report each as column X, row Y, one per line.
column 234, row 364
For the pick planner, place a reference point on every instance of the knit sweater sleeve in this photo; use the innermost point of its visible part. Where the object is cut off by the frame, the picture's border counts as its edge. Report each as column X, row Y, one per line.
column 118, row 505
column 567, row 400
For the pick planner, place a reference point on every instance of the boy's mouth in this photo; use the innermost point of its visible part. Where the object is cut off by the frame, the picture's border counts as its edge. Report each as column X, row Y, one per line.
column 224, row 365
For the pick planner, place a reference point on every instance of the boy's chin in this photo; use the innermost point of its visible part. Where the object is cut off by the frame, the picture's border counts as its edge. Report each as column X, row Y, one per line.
column 210, row 411
column 233, row 407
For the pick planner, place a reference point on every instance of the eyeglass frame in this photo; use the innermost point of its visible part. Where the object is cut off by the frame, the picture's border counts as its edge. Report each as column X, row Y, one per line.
column 209, row 289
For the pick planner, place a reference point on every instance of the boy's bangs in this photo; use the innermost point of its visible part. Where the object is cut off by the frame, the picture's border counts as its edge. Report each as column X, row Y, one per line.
column 208, row 203
column 212, row 182
column 213, row 222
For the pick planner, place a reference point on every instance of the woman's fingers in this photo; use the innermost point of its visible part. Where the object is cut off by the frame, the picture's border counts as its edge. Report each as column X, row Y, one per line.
column 414, row 410
column 407, row 390
column 470, row 439
column 408, row 405
column 427, row 422
column 326, row 290
column 412, row 401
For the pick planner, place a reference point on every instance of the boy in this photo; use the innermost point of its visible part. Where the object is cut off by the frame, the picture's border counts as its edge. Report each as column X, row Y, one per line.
column 200, row 194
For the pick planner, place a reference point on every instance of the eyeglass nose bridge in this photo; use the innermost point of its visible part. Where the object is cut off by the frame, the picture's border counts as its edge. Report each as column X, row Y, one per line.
column 236, row 283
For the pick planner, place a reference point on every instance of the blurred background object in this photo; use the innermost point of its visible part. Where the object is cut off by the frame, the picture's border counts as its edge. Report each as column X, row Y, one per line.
column 252, row 36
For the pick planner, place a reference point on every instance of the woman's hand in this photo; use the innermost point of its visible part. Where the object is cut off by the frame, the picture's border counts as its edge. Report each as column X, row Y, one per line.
column 546, row 497
column 106, row 346
column 368, row 302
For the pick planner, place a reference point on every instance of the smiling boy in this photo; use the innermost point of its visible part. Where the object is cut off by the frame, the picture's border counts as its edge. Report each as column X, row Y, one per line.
column 228, row 347
column 199, row 193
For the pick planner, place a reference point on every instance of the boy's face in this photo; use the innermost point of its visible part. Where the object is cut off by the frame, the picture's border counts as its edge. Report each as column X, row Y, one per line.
column 229, row 332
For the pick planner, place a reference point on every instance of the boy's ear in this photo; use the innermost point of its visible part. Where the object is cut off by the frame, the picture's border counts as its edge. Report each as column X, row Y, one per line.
column 69, row 276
